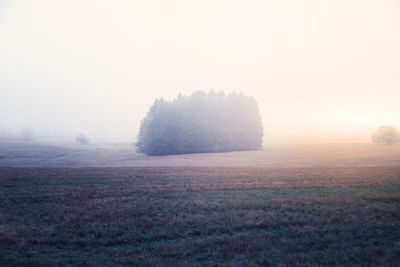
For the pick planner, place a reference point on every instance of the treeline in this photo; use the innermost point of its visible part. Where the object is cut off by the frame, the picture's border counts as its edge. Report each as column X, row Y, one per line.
column 201, row 122
column 26, row 135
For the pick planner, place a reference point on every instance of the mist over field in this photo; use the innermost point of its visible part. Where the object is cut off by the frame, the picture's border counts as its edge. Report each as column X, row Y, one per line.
column 321, row 71
column 199, row 133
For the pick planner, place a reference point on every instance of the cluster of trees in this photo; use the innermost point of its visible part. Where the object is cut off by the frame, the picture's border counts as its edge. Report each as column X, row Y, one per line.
column 25, row 135
column 201, row 122
column 386, row 135
column 6, row 136
column 82, row 139
column 28, row 135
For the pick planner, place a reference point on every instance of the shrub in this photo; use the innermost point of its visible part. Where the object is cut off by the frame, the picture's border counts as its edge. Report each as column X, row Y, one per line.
column 386, row 135
column 27, row 135
column 82, row 139
column 7, row 136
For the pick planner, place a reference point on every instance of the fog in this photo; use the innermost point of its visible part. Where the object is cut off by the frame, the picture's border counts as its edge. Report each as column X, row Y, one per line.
column 321, row 71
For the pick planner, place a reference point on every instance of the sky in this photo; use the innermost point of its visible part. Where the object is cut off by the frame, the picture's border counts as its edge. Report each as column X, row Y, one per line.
column 321, row 71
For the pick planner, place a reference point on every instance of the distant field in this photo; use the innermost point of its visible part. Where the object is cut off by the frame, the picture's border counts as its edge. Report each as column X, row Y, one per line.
column 321, row 155
column 200, row 216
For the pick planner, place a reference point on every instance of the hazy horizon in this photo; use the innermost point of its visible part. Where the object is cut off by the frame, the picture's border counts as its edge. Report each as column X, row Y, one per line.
column 321, row 71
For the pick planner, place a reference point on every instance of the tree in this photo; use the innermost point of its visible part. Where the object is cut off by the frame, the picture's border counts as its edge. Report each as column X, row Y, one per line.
column 201, row 122
column 27, row 135
column 8, row 136
column 82, row 139
column 386, row 135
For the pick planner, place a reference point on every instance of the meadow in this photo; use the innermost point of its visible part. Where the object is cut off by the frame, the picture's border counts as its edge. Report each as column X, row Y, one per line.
column 202, row 215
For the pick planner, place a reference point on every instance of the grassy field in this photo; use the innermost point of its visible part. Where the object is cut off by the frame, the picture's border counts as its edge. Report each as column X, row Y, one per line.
column 124, row 155
column 237, row 216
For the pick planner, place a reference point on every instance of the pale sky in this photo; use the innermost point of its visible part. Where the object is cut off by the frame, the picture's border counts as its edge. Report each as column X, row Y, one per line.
column 321, row 71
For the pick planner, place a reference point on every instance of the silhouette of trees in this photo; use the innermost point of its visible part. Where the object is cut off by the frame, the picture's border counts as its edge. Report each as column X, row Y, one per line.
column 82, row 139
column 8, row 136
column 386, row 135
column 201, row 122
column 27, row 135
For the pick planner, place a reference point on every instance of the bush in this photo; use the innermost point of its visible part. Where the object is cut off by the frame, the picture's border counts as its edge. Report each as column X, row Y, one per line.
column 386, row 135
column 27, row 135
column 82, row 139
column 7, row 136
column 212, row 122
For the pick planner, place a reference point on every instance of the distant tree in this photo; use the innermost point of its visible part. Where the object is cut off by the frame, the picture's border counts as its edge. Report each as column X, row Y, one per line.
column 201, row 122
column 82, row 139
column 386, row 135
column 27, row 135
column 7, row 136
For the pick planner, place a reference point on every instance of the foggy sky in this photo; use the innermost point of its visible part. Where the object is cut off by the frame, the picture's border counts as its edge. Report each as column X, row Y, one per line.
column 321, row 71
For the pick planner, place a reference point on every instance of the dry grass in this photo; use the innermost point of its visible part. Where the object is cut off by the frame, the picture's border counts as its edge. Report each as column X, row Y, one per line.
column 200, row 216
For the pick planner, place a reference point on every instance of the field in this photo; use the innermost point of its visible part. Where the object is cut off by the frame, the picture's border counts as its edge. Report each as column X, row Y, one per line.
column 302, row 205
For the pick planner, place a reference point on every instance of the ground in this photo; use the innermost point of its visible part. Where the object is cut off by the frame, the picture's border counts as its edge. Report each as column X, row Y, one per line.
column 292, row 205
column 124, row 155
